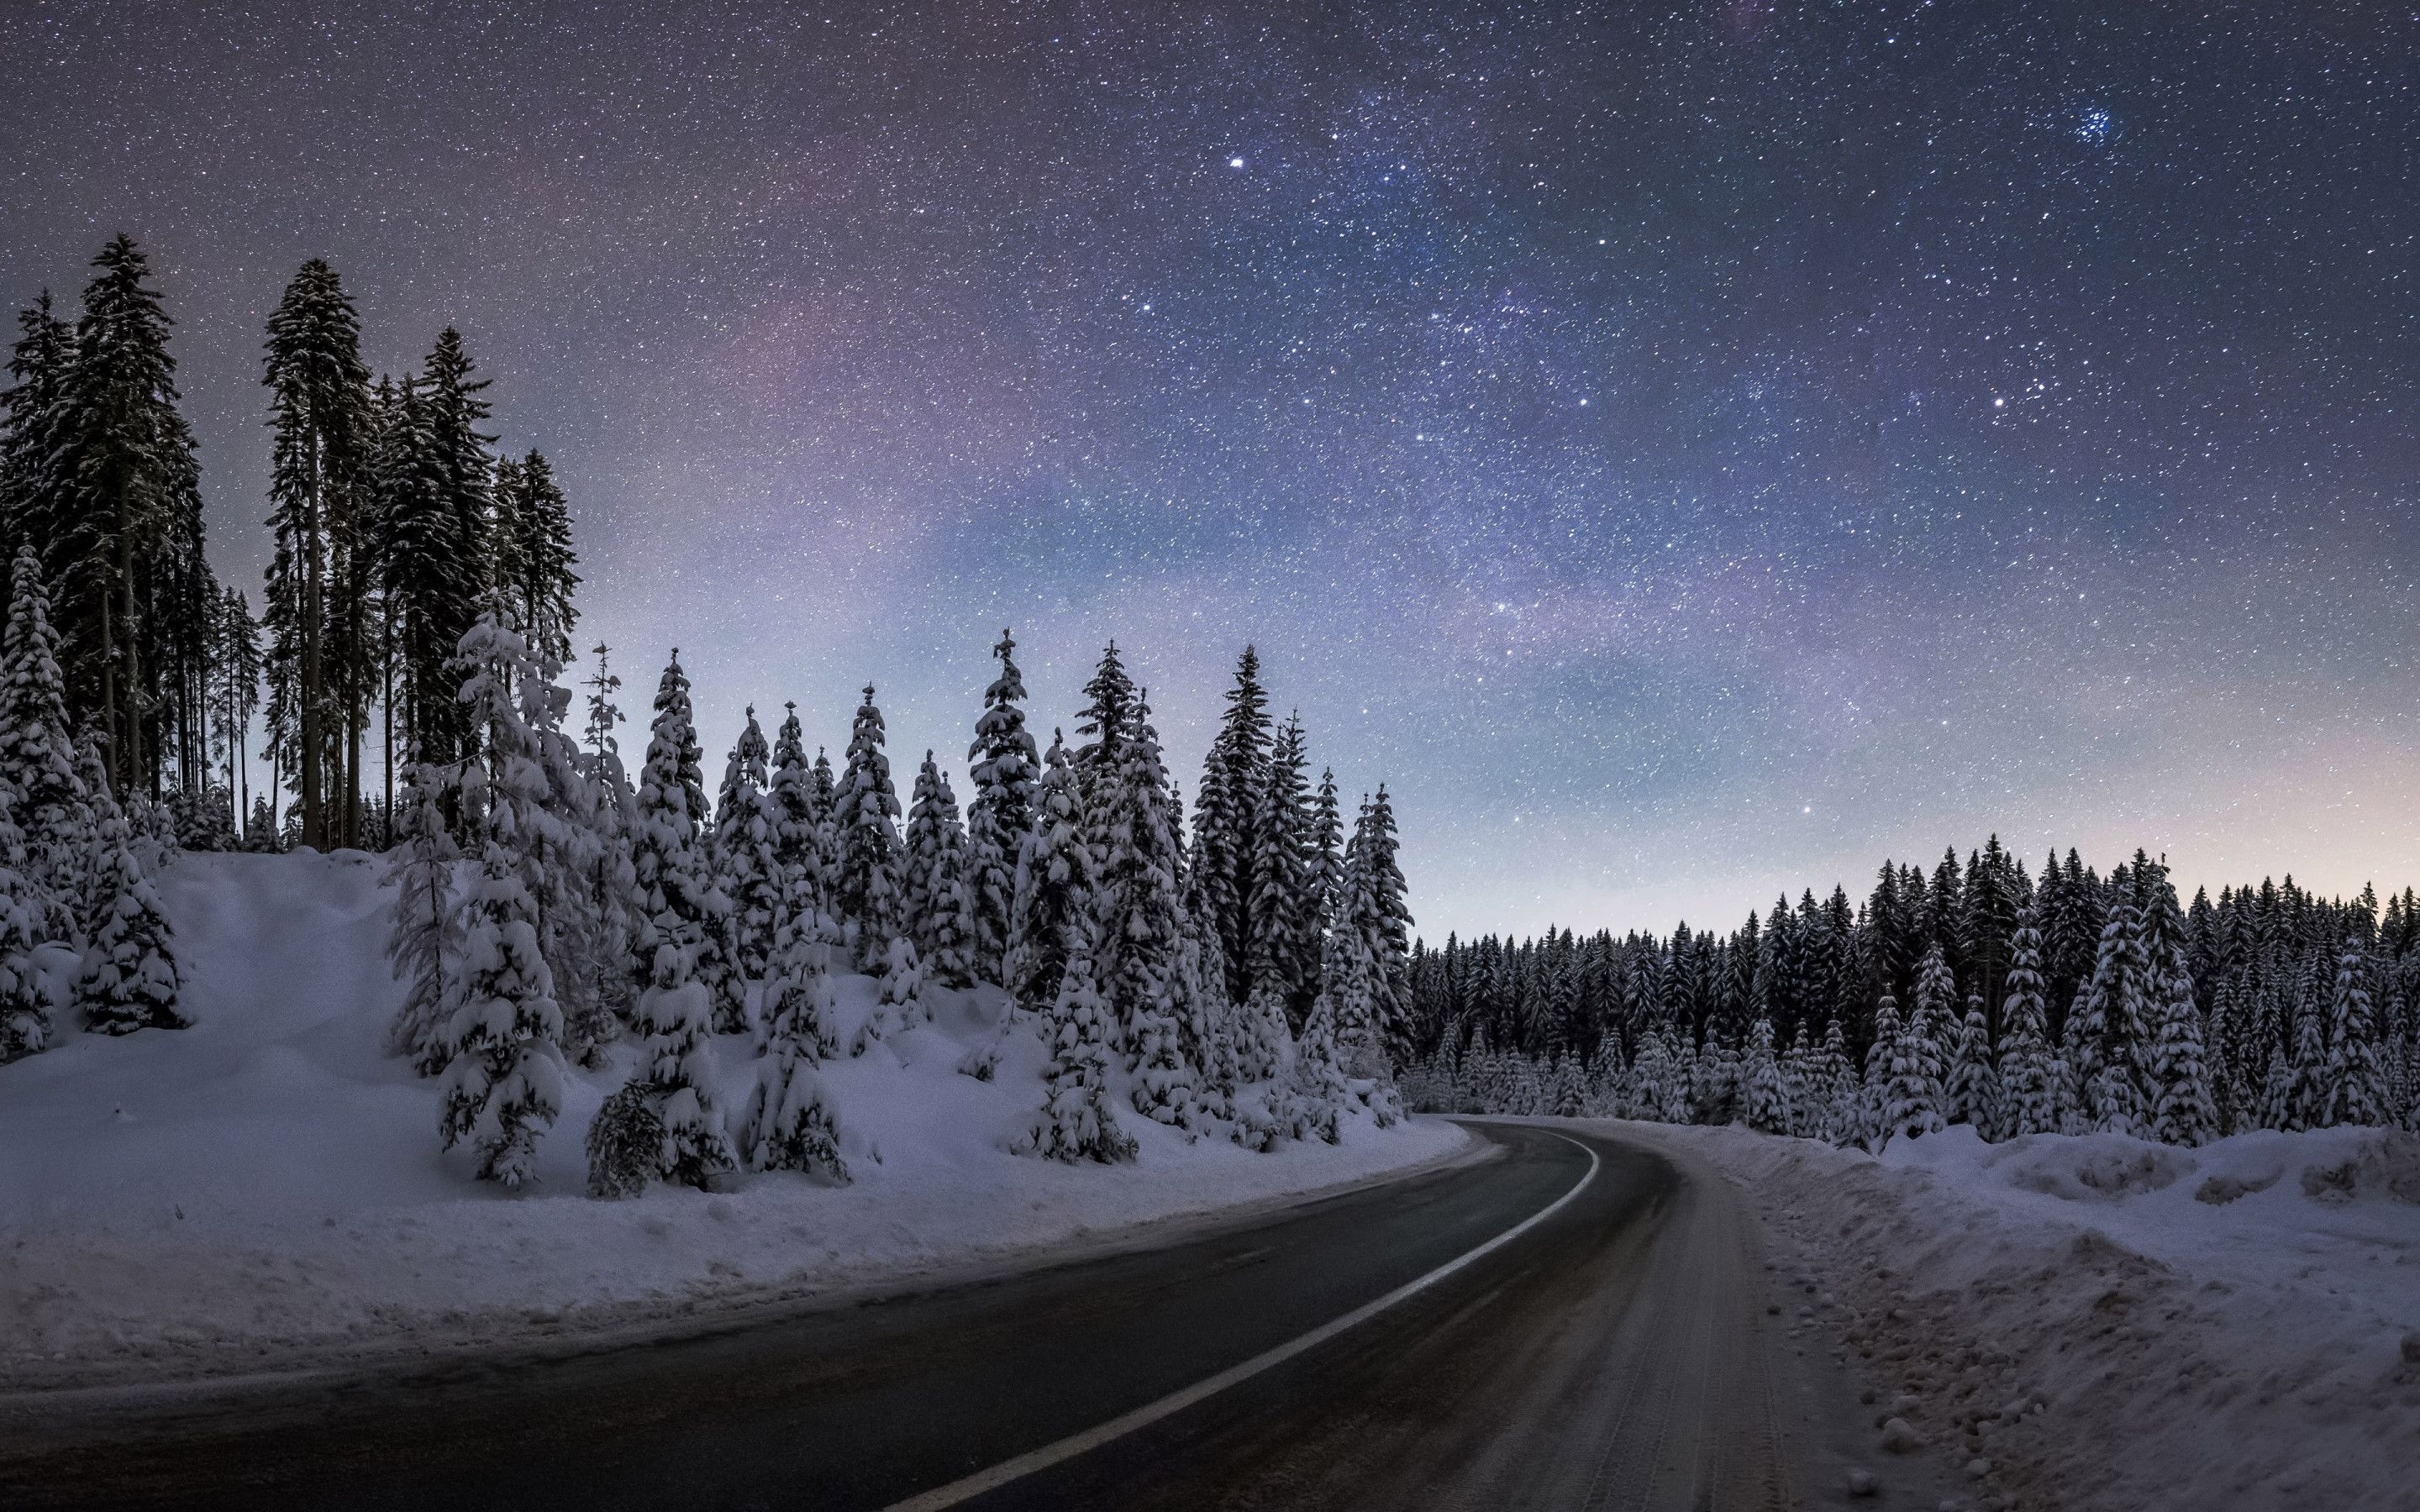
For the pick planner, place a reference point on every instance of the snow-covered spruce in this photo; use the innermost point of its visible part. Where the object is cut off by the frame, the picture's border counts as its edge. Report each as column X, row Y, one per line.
column 502, row 1083
column 1007, row 774
column 788, row 1122
column 131, row 977
column 866, row 817
column 1077, row 1121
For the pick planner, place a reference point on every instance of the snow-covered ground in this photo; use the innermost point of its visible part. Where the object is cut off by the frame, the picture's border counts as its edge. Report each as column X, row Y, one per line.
column 265, row 1188
column 2104, row 1323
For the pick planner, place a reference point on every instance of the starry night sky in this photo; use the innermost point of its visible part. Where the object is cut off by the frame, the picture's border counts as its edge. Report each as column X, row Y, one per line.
column 1683, row 450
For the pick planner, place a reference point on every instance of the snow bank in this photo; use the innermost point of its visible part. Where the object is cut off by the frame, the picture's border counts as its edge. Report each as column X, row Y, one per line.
column 2108, row 1323
column 265, row 1188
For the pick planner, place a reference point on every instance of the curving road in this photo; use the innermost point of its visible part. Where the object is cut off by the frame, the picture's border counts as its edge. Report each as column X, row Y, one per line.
column 1614, row 1353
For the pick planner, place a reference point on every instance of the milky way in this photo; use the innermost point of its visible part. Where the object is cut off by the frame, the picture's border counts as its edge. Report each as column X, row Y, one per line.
column 1680, row 452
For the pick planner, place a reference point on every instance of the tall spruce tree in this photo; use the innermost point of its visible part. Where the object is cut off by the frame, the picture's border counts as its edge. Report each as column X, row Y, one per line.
column 533, row 555
column 502, row 1085
column 1007, row 775
column 121, row 520
column 867, row 815
column 1228, row 815
column 1054, row 874
column 38, row 758
column 31, row 412
column 748, row 863
column 318, row 465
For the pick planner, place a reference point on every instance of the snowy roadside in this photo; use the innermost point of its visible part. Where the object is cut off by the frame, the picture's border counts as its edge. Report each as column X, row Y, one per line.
column 2103, row 1323
column 264, row 1190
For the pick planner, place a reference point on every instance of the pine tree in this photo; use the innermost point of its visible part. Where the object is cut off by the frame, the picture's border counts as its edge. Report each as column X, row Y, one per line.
column 37, row 760
column 534, row 555
column 1765, row 1097
column 318, row 483
column 674, row 1075
column 1233, row 819
column 1076, row 1121
column 899, row 997
column 433, row 488
column 24, row 1006
column 1282, row 916
column 1053, row 881
column 502, row 1085
column 748, row 864
column 1972, row 1095
column 2109, row 1025
column 2029, row 1102
column 120, row 524
column 1007, row 778
column 1323, row 882
column 1373, row 906
column 788, row 1123
column 2355, row 1080
column 668, row 866
column 131, row 977
column 1317, row 1089
column 867, row 819
column 1912, row 1089
column 424, row 940
column 31, row 413
column 937, row 909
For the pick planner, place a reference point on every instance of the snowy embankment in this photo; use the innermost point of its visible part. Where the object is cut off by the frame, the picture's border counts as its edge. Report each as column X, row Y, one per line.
column 265, row 1189
column 2104, row 1323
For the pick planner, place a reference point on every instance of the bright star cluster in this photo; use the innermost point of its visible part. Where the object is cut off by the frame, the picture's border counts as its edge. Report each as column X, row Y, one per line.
column 1683, row 450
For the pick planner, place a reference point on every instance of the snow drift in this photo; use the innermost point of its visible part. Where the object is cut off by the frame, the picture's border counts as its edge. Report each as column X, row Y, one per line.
column 2105, row 1323
column 265, row 1187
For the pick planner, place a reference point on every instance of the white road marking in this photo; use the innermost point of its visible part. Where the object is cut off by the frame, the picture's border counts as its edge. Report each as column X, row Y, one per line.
column 1117, row 1427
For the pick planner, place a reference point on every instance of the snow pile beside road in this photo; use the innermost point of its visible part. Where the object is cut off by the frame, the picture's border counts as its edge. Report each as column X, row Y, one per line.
column 266, row 1186
column 2108, row 1323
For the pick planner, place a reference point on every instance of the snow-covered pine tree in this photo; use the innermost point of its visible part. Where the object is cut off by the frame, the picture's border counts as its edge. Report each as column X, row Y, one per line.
column 1912, row 1091
column 2302, row 1093
column 1007, row 775
column 748, row 862
column 2029, row 1092
column 673, row 1074
column 1840, row 1086
column 1973, row 1093
column 1376, row 910
column 1317, row 1087
column 788, row 1123
column 38, row 758
column 797, row 813
column 1280, row 920
column 2108, row 1026
column 1076, row 1121
column 2170, row 1064
column 1227, row 822
column 1873, row 1120
column 936, row 906
column 866, row 814
column 1139, row 909
column 130, row 978
column 24, row 1005
column 1323, row 884
column 318, row 620
column 423, row 942
column 1053, row 881
column 1650, row 1071
column 667, row 861
column 1764, row 1098
column 502, row 1085
column 2354, row 1078
column 899, row 997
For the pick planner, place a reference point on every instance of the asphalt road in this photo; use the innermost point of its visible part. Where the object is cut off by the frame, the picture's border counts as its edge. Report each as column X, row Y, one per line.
column 1615, row 1355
